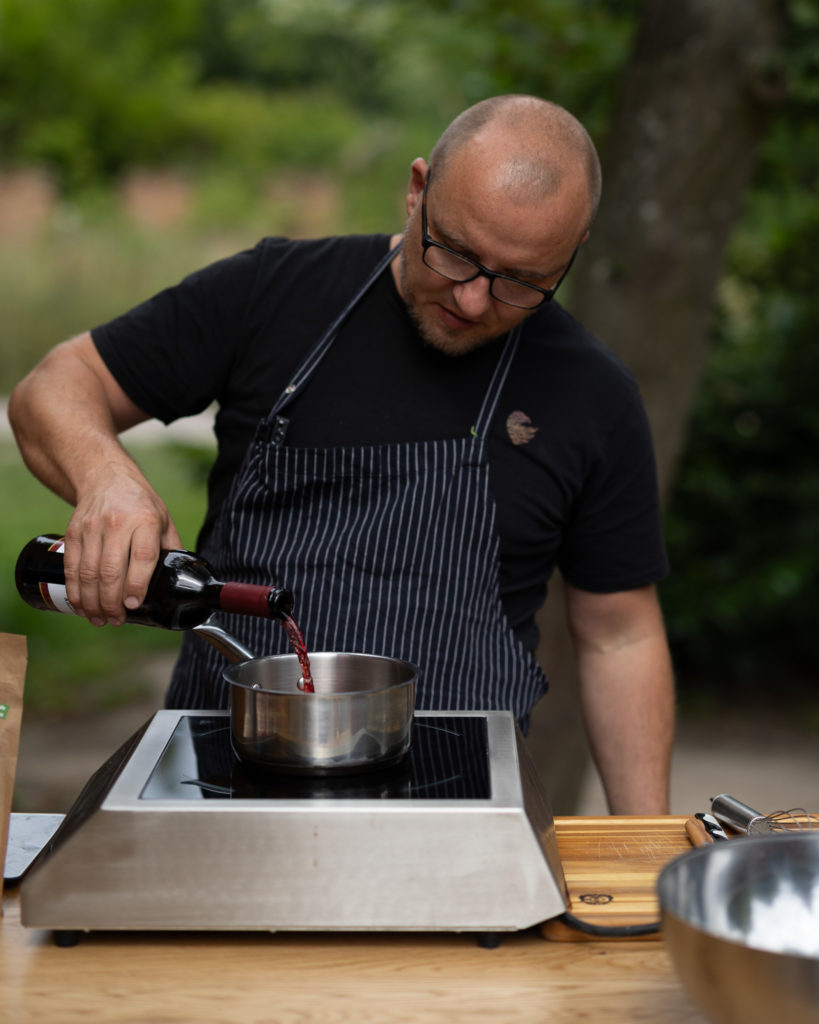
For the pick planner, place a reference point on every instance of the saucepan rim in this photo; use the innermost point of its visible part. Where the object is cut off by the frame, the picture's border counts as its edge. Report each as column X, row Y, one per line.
column 316, row 658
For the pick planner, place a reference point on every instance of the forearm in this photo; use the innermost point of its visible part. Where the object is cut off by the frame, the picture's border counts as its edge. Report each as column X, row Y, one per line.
column 627, row 694
column 627, row 697
column 66, row 415
column 64, row 429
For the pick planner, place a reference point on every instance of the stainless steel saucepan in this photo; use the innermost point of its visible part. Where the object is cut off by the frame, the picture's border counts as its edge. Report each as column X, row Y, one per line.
column 359, row 718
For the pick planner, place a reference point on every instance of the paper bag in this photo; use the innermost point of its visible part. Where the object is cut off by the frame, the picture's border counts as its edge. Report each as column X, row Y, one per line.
column 13, row 657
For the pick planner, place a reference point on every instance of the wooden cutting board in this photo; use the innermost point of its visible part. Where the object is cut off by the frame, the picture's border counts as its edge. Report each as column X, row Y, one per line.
column 611, row 866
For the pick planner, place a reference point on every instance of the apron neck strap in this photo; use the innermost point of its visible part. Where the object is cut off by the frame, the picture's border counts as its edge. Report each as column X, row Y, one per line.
column 274, row 426
column 314, row 356
column 493, row 392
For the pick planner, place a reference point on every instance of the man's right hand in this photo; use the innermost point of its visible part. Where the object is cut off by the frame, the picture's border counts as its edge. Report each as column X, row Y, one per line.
column 112, row 544
column 66, row 415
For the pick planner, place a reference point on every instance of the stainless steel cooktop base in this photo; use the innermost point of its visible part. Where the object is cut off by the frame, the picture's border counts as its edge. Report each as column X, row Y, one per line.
column 125, row 863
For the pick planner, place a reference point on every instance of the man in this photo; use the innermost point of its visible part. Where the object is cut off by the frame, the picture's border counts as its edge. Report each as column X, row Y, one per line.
column 411, row 437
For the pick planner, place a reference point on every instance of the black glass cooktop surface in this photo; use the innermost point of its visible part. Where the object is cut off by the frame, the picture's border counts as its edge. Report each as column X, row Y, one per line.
column 447, row 760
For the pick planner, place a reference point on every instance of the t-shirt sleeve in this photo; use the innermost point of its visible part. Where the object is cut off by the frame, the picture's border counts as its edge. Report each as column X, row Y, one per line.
column 614, row 540
column 172, row 353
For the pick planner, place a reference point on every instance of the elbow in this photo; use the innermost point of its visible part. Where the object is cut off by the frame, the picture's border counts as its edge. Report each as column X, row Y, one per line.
column 16, row 408
column 22, row 416
column 19, row 421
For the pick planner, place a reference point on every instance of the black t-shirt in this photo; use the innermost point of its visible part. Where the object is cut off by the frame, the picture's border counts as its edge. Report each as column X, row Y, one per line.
column 571, row 462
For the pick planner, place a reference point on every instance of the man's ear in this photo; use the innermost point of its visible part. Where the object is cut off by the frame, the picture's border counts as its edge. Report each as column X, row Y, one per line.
column 418, row 176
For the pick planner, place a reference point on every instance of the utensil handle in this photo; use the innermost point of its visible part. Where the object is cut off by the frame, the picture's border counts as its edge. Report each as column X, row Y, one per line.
column 735, row 813
column 697, row 832
column 216, row 634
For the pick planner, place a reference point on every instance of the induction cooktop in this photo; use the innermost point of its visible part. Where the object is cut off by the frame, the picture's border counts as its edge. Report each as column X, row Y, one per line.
column 447, row 761
column 174, row 832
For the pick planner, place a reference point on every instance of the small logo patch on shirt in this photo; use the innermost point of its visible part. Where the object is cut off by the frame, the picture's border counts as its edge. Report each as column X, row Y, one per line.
column 518, row 427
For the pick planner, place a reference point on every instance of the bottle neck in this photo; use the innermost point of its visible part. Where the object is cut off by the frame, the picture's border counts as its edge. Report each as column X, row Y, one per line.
column 254, row 599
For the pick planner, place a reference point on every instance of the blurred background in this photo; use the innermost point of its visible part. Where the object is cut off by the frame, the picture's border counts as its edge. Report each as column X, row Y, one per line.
column 140, row 141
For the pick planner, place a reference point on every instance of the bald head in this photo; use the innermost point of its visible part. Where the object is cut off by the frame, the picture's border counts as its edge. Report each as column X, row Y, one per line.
column 536, row 149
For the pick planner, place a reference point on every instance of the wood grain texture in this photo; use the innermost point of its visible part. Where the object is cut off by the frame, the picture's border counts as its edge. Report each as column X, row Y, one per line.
column 358, row 978
column 335, row 979
column 611, row 867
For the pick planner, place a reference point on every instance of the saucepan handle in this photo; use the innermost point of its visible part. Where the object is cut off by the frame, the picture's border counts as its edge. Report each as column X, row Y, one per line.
column 215, row 633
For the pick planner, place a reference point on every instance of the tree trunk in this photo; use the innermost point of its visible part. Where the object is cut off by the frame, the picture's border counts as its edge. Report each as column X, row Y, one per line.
column 681, row 149
column 693, row 110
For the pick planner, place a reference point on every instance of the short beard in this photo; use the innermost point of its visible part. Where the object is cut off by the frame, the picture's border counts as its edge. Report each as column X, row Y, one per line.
column 439, row 340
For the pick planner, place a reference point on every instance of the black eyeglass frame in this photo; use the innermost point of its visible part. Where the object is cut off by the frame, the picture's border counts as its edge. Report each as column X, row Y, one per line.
column 546, row 294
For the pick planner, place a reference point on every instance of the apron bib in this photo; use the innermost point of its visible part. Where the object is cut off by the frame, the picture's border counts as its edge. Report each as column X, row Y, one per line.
column 389, row 549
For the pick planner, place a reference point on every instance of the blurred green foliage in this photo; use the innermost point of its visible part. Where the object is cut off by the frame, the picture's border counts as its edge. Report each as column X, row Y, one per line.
column 257, row 85
column 742, row 526
column 255, row 102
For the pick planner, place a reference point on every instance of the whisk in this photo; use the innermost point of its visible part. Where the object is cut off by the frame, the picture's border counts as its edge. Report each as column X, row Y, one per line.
column 742, row 818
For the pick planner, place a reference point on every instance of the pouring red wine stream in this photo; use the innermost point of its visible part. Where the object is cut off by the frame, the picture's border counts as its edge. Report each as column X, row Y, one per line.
column 297, row 645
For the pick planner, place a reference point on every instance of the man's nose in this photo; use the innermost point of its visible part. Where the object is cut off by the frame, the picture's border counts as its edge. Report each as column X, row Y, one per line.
column 473, row 296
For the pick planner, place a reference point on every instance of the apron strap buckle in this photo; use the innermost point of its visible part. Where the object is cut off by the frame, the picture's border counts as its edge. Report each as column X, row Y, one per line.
column 274, row 431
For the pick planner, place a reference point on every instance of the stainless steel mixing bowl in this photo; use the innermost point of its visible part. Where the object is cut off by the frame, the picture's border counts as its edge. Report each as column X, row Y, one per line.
column 741, row 921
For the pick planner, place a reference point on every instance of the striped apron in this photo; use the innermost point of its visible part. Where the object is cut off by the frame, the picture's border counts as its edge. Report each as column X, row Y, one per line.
column 389, row 549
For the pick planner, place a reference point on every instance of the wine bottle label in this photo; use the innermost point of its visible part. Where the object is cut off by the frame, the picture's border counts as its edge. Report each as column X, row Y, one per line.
column 56, row 598
column 54, row 594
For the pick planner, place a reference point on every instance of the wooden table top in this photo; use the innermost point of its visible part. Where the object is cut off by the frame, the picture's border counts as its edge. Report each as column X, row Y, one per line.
column 372, row 977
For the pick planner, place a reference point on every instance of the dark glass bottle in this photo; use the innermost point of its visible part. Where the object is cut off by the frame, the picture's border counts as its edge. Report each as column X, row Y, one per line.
column 182, row 593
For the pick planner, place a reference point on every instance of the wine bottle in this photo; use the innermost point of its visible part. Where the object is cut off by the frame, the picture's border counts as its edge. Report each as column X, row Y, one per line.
column 183, row 590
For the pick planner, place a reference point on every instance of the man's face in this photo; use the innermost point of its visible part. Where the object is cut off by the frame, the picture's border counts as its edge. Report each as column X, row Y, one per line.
column 531, row 242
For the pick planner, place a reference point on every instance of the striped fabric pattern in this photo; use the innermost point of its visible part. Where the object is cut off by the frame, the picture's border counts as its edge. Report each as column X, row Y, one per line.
column 389, row 549
column 402, row 563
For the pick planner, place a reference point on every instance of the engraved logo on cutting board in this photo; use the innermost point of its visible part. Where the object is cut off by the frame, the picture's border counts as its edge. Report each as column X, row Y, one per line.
column 595, row 898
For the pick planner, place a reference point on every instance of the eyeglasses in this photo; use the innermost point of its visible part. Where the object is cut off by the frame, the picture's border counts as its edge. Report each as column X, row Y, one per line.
column 457, row 267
